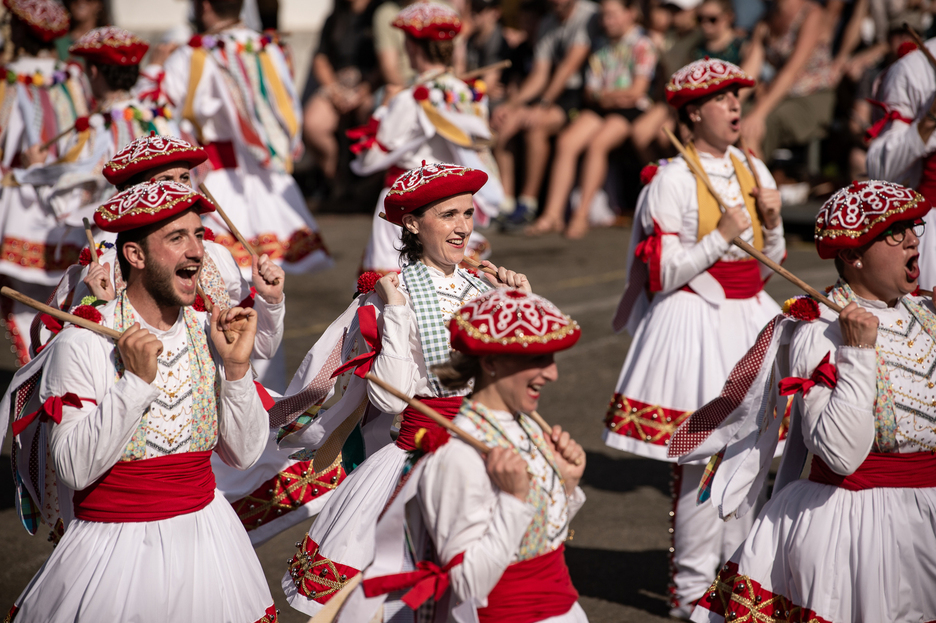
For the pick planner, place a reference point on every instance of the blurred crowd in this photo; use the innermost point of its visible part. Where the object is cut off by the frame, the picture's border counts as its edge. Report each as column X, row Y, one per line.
column 580, row 109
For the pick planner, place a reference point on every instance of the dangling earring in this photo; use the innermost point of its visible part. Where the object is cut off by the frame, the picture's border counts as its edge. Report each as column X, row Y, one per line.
column 858, row 264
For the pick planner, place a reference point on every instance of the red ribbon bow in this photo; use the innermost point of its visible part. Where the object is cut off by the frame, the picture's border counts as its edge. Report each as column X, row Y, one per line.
column 157, row 89
column 367, row 318
column 650, row 251
column 366, row 135
column 890, row 115
column 429, row 580
column 824, row 374
column 51, row 408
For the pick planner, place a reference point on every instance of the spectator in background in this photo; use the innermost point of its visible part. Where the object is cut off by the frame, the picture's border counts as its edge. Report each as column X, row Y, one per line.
column 616, row 84
column 343, row 78
column 684, row 35
column 486, row 46
column 389, row 42
column 545, row 102
column 85, row 16
column 719, row 38
column 796, row 105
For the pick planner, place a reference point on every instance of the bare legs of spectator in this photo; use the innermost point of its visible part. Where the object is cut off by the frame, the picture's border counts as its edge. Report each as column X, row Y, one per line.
column 319, row 124
column 541, row 125
column 649, row 129
column 510, row 124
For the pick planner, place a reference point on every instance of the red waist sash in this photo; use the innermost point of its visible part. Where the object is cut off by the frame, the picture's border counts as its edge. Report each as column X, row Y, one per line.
column 221, row 155
column 916, row 470
column 413, row 420
column 739, row 280
column 149, row 490
column 532, row 590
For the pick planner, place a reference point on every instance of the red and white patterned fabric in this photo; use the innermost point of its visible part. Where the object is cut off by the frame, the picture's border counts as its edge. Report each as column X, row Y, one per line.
column 110, row 46
column 47, row 19
column 858, row 213
column 505, row 320
column 700, row 78
column 427, row 183
column 148, row 152
column 147, row 203
column 428, row 20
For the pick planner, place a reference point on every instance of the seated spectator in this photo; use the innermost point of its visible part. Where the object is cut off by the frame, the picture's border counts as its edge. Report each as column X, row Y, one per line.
column 342, row 80
column 486, row 46
column 546, row 100
column 395, row 69
column 719, row 38
column 684, row 35
column 616, row 85
column 85, row 15
column 796, row 105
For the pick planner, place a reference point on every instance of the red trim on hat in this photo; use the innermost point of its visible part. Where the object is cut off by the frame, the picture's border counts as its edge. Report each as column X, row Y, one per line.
column 47, row 19
column 149, row 152
column 428, row 20
column 431, row 182
column 704, row 77
column 110, row 46
column 148, row 203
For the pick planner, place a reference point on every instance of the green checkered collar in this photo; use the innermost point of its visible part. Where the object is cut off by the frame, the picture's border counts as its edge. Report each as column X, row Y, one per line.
column 433, row 334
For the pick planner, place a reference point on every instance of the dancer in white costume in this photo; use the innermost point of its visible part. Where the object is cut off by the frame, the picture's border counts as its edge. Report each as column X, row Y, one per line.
column 436, row 120
column 708, row 304
column 403, row 327
column 903, row 149
column 123, row 435
column 40, row 98
column 233, row 86
column 854, row 541
column 494, row 527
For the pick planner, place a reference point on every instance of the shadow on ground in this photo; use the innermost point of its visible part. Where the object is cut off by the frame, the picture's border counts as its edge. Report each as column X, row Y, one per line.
column 617, row 576
column 627, row 473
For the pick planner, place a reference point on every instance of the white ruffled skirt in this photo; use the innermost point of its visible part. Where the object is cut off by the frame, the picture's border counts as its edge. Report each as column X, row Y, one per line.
column 194, row 567
column 847, row 556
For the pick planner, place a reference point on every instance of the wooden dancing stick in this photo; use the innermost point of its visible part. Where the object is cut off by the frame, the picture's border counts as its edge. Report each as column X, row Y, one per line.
column 59, row 314
column 93, row 247
column 52, row 141
column 766, row 261
column 750, row 163
column 480, row 71
column 331, row 608
column 547, row 429
column 430, row 413
column 919, row 42
column 479, row 266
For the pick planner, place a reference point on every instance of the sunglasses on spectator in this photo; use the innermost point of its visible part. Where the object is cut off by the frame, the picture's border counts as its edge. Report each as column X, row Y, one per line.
column 896, row 233
column 709, row 19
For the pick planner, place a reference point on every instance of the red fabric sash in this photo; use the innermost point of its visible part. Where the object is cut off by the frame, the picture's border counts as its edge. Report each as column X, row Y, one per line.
column 824, row 374
column 367, row 319
column 221, row 155
column 914, row 470
column 429, row 580
column 739, row 280
column 51, row 409
column 149, row 490
column 532, row 590
column 928, row 179
column 413, row 420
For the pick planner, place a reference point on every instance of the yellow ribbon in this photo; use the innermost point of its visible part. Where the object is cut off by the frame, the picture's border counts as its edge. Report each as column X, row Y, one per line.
column 197, row 68
column 446, row 129
column 73, row 153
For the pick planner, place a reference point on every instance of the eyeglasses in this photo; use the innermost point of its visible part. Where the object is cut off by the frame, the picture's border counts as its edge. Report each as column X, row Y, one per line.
column 896, row 233
column 709, row 19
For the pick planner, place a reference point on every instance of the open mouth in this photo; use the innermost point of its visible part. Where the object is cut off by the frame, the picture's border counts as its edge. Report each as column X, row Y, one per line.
column 913, row 268
column 533, row 390
column 735, row 124
column 187, row 278
column 458, row 243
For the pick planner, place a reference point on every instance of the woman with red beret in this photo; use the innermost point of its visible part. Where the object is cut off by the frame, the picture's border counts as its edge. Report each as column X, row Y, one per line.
column 490, row 527
column 854, row 541
column 707, row 303
column 397, row 330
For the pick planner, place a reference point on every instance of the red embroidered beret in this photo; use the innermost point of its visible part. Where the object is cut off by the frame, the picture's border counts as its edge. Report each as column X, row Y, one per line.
column 148, row 203
column 428, row 20
column 430, row 182
column 47, row 19
column 148, row 152
column 110, row 46
column 507, row 321
column 860, row 212
column 700, row 78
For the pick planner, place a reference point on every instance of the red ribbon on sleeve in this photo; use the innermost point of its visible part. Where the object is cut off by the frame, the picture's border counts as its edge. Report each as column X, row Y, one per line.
column 51, row 409
column 824, row 374
column 889, row 115
column 367, row 318
column 366, row 135
column 429, row 580
column 650, row 251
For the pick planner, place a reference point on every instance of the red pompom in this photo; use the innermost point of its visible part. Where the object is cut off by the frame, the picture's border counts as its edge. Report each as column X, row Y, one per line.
column 199, row 304
column 88, row 312
column 804, row 308
column 432, row 439
column 905, row 48
column 82, row 124
column 647, row 173
column 84, row 258
column 367, row 282
column 209, row 235
column 420, row 93
column 195, row 41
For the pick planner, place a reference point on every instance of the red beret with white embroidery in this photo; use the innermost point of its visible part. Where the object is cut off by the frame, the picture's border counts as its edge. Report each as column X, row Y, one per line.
column 430, row 182
column 149, row 152
column 860, row 212
column 429, row 20
column 47, row 19
column 110, row 46
column 701, row 78
column 507, row 321
column 148, row 203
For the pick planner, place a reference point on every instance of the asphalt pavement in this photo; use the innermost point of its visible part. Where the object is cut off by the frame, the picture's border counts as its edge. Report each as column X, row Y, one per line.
column 618, row 557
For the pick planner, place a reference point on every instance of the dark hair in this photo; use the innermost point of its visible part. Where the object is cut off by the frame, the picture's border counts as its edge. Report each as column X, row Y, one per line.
column 227, row 9
column 458, row 371
column 684, row 117
column 137, row 235
column 119, row 77
column 102, row 17
column 22, row 37
column 412, row 249
column 839, row 266
column 440, row 52
column 727, row 6
column 631, row 4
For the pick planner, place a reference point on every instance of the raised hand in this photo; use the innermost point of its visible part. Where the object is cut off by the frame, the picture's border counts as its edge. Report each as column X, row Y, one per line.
column 268, row 278
column 507, row 278
column 139, row 350
column 567, row 452
column 388, row 289
column 98, row 281
column 232, row 333
column 859, row 326
column 508, row 472
column 768, row 205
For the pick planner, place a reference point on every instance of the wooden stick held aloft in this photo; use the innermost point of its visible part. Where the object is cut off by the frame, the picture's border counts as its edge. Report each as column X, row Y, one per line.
column 58, row 314
column 920, row 44
column 750, row 162
column 227, row 221
column 747, row 248
column 430, row 413
column 547, row 429
column 480, row 71
column 91, row 245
